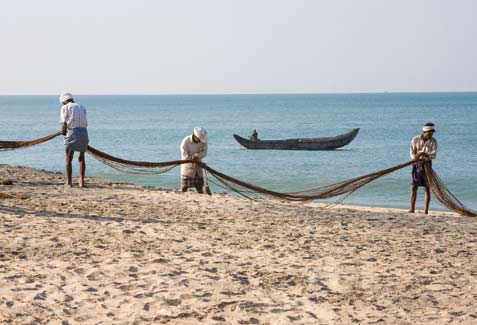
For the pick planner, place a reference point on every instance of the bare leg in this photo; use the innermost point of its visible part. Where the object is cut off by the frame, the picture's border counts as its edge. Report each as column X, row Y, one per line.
column 69, row 158
column 199, row 189
column 82, row 164
column 427, row 199
column 412, row 207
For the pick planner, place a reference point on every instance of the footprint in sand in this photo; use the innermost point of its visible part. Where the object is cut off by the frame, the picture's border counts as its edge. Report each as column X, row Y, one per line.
column 173, row 302
column 40, row 296
column 68, row 298
column 79, row 271
column 95, row 276
column 219, row 318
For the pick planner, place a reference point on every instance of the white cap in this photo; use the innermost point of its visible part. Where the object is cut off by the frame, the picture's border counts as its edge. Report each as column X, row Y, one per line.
column 65, row 96
column 428, row 128
column 201, row 134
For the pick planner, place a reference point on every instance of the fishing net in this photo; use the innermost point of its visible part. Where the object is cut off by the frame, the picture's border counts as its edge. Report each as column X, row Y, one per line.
column 134, row 167
column 11, row 145
column 443, row 195
column 341, row 189
column 13, row 196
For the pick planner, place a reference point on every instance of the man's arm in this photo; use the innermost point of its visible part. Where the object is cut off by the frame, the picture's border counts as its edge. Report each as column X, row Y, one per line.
column 184, row 151
column 432, row 151
column 203, row 153
column 412, row 150
column 64, row 128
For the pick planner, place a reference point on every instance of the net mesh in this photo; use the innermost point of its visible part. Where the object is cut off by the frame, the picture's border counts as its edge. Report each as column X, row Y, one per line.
column 12, row 145
column 340, row 189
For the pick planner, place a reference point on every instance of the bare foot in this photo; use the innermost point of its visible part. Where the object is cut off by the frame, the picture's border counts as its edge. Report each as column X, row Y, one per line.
column 410, row 211
column 68, row 185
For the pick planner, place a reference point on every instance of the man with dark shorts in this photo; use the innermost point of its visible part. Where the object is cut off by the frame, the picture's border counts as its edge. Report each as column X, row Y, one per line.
column 423, row 149
column 74, row 126
column 193, row 147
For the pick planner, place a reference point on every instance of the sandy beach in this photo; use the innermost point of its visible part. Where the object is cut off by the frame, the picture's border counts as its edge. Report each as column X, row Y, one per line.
column 117, row 253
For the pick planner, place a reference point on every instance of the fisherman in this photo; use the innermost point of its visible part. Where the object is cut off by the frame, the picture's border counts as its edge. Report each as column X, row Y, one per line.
column 193, row 147
column 254, row 135
column 423, row 149
column 74, row 128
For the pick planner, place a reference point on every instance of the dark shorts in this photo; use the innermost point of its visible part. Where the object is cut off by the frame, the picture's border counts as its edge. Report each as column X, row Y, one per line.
column 419, row 174
column 192, row 181
column 77, row 139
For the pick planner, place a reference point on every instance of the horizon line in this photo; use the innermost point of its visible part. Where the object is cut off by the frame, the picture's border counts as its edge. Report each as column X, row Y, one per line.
column 251, row 93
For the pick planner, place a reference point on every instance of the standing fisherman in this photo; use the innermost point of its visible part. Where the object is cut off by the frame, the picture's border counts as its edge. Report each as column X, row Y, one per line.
column 193, row 147
column 423, row 149
column 74, row 127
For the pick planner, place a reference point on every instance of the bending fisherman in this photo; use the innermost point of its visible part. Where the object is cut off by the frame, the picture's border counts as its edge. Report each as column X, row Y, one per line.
column 74, row 127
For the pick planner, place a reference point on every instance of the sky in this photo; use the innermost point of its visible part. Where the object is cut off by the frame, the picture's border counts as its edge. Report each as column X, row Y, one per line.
column 237, row 46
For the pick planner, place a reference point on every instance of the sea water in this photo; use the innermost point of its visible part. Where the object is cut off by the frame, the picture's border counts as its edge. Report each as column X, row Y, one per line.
column 151, row 128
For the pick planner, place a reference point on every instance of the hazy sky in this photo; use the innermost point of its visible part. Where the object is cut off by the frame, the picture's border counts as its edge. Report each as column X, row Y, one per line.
column 239, row 46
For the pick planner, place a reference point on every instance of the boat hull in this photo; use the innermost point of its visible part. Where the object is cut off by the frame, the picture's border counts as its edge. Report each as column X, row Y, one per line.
column 325, row 143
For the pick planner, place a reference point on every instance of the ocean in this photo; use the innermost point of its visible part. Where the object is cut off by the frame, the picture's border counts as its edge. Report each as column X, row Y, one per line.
column 152, row 127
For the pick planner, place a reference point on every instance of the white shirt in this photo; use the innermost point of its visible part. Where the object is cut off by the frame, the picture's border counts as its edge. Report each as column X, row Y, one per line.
column 418, row 144
column 74, row 115
column 188, row 149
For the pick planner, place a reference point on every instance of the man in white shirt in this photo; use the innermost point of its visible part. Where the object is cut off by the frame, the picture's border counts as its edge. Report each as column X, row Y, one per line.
column 423, row 149
column 193, row 147
column 74, row 126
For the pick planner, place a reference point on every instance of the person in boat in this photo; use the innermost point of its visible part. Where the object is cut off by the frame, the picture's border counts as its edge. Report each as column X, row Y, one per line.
column 423, row 149
column 193, row 147
column 254, row 135
column 74, row 125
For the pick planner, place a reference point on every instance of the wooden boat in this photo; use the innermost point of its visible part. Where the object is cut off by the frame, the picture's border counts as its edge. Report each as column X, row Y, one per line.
column 326, row 143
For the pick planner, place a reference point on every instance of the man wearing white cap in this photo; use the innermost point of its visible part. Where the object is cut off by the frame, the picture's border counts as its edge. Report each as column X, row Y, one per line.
column 193, row 147
column 423, row 149
column 74, row 126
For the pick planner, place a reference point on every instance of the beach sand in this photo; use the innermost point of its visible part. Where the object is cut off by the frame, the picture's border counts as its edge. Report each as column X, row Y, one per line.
column 116, row 253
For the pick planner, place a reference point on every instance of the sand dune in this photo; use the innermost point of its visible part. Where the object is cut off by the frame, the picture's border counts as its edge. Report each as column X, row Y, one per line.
column 116, row 253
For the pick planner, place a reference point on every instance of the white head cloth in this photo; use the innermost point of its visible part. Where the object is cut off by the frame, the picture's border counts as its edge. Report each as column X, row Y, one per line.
column 201, row 134
column 65, row 96
column 427, row 128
